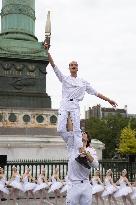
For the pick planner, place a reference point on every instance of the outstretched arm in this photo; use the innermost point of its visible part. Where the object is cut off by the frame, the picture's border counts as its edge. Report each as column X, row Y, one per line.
column 55, row 68
column 51, row 61
column 68, row 135
column 112, row 102
column 92, row 91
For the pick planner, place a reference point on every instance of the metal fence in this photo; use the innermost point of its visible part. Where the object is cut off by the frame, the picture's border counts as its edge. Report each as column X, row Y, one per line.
column 104, row 165
column 37, row 166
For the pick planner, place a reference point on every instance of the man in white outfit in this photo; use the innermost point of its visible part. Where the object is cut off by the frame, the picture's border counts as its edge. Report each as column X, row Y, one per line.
column 73, row 91
column 79, row 189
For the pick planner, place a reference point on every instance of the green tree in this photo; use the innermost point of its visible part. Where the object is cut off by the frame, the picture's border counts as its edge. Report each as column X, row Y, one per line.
column 108, row 131
column 127, row 141
column 133, row 123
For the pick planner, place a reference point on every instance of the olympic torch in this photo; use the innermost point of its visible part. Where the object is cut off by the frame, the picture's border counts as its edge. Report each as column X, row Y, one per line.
column 48, row 30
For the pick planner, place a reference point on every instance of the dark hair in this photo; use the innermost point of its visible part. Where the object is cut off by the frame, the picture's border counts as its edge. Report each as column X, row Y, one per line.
column 89, row 139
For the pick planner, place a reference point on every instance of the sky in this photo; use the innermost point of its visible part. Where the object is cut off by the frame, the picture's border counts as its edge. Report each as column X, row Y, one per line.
column 101, row 36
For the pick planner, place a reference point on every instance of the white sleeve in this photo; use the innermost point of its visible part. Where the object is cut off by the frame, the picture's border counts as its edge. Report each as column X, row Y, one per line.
column 90, row 89
column 95, row 164
column 58, row 74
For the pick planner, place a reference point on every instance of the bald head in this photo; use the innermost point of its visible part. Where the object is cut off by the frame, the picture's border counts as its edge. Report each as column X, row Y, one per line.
column 73, row 62
column 73, row 67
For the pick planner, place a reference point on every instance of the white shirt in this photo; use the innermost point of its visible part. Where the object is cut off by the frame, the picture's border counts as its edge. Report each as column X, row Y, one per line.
column 75, row 170
column 73, row 87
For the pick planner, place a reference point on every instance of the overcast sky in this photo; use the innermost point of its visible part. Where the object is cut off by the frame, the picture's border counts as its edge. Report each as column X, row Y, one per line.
column 101, row 36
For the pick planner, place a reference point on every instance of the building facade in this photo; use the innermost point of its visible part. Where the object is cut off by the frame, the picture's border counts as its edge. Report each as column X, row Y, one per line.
column 101, row 112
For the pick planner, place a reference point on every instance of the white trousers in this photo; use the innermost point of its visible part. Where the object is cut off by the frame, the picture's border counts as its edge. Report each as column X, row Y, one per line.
column 79, row 193
column 62, row 121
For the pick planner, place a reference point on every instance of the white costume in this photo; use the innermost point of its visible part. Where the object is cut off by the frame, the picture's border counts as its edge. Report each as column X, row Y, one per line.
column 41, row 184
column 2, row 186
column 133, row 194
column 65, row 185
column 28, row 186
column 109, row 187
column 55, row 185
column 79, row 189
column 123, row 189
column 96, row 186
column 73, row 91
column 15, row 183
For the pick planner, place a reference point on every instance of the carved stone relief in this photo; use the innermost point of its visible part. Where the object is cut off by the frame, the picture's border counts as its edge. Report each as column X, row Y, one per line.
column 6, row 66
column 19, row 67
column 16, row 69
column 20, row 83
column 18, row 9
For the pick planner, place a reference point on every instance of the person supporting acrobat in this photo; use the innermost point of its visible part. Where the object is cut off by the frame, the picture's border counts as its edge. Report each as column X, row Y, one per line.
column 79, row 190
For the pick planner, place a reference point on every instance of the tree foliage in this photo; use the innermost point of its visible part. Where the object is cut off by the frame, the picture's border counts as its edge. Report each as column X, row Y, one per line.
column 108, row 130
column 127, row 141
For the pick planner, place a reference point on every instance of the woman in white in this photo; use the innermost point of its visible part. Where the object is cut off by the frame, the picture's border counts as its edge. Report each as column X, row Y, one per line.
column 133, row 195
column 15, row 183
column 65, row 184
column 56, row 183
column 3, row 188
column 27, row 184
column 124, row 189
column 97, row 187
column 110, row 187
column 42, row 185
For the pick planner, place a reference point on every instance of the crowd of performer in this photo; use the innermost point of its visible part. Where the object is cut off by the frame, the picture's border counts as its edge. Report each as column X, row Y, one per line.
column 101, row 190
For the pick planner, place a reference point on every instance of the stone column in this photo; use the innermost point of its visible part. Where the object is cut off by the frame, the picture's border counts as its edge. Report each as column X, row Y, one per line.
column 18, row 19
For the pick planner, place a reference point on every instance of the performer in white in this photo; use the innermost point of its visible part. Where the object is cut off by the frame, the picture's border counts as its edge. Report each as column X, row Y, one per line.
column 3, row 188
column 65, row 185
column 73, row 91
column 56, row 184
column 15, row 183
column 79, row 189
column 27, row 184
column 97, row 187
column 133, row 194
column 125, row 188
column 42, row 185
column 110, row 187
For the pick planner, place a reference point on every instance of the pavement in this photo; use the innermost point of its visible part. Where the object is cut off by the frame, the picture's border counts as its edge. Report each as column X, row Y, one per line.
column 60, row 201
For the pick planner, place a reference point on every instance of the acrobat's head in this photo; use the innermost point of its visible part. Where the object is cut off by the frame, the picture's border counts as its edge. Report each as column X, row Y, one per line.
column 73, row 67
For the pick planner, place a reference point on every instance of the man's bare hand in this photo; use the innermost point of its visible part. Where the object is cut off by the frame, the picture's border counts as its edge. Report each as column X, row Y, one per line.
column 89, row 156
column 113, row 103
column 45, row 45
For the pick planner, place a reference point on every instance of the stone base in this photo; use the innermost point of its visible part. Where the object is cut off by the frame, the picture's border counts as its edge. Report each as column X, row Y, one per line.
column 20, row 100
